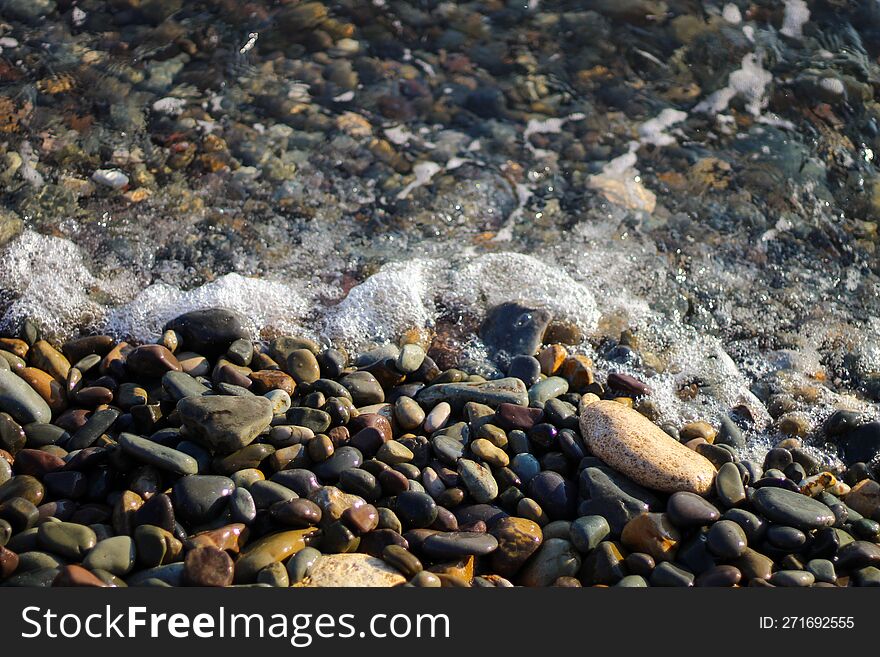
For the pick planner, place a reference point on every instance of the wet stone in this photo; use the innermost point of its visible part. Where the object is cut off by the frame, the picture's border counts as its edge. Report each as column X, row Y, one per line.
column 554, row 559
column 415, row 509
column 653, row 534
column 200, row 498
column 209, row 332
column 726, row 540
column 225, row 423
column 479, row 480
column 789, row 508
column 452, row 545
column 687, row 510
column 729, row 485
column 21, row 401
column 606, row 499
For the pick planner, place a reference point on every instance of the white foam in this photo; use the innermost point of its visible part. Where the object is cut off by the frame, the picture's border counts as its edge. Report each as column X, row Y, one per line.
column 262, row 302
column 653, row 131
column 749, row 81
column 795, row 17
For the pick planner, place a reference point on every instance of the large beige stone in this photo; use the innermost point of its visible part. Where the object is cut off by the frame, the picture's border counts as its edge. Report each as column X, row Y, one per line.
column 864, row 497
column 633, row 445
column 355, row 569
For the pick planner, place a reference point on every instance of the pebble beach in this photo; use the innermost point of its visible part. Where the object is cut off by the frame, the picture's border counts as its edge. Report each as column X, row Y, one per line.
column 417, row 293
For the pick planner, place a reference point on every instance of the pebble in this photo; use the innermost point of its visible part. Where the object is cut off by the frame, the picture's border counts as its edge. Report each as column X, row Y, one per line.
column 478, row 480
column 514, row 329
column 688, row 510
column 160, row 456
column 518, row 539
column 554, row 559
column 115, row 554
column 729, row 486
column 452, row 545
column 20, row 401
column 225, row 423
column 66, row 539
column 209, row 332
column 653, row 534
column 587, row 532
column 491, row 393
column 200, row 498
column 360, row 570
column 633, row 445
column 726, row 540
column 208, row 566
column 789, row 508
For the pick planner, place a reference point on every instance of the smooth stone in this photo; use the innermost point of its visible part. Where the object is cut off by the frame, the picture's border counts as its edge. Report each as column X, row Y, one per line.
column 554, row 559
column 513, row 329
column 156, row 546
column 726, row 540
column 160, row 456
column 490, row 393
column 723, row 576
column 271, row 549
column 200, row 498
column 225, row 423
column 729, row 485
column 12, row 435
column 864, row 497
column 274, row 575
column 518, row 539
column 98, row 423
column 352, row 570
column 513, row 416
column 822, row 570
column 281, row 401
column 792, row 578
column 300, row 564
column 314, row 419
column 116, row 555
column 208, row 566
column 242, row 507
column 788, row 508
column 478, row 480
column 785, row 538
column 45, row 357
column 549, row 388
column 587, row 532
column 209, row 332
column 862, row 444
column 415, row 509
column 753, row 565
column 344, row 458
column 24, row 486
column 556, row 495
column 608, row 500
column 180, row 385
column 858, row 555
column 40, row 577
column 364, row 389
column 635, row 446
column 438, row 417
column 669, row 575
column 754, row 526
column 246, row 458
column 633, row 582
column 408, row 413
column 298, row 513
column 456, row 544
column 688, row 510
column 410, row 358
column 168, row 575
column 66, row 539
column 151, row 361
column 303, row 366
column 21, row 401
column 525, row 368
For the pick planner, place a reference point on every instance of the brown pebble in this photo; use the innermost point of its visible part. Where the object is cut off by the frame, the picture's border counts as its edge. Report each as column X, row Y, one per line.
column 207, row 566
column 77, row 576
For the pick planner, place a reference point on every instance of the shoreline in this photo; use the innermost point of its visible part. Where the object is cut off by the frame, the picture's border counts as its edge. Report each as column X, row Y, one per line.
column 207, row 458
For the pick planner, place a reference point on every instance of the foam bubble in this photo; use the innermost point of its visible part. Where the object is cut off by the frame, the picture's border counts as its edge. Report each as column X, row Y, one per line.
column 264, row 303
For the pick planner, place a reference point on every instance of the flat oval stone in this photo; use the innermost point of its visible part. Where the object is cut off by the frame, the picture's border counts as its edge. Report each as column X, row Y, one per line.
column 729, row 485
column 687, row 510
column 788, row 508
column 490, row 393
column 452, row 545
column 21, row 401
column 632, row 444
column 415, row 509
column 66, row 539
column 151, row 360
column 296, row 513
column 160, row 456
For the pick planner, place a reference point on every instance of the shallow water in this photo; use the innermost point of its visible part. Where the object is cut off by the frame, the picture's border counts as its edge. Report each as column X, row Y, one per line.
column 701, row 174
